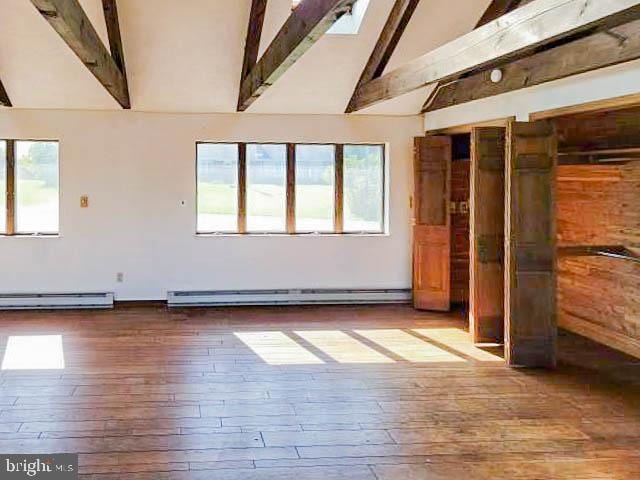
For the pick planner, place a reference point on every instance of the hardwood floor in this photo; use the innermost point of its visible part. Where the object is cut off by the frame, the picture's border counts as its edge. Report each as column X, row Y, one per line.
column 305, row 393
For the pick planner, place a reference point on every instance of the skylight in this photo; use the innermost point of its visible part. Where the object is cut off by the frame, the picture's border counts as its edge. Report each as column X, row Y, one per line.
column 348, row 24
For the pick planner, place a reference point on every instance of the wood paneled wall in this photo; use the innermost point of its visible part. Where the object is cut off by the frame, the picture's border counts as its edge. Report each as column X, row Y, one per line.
column 599, row 297
column 460, row 187
column 599, row 131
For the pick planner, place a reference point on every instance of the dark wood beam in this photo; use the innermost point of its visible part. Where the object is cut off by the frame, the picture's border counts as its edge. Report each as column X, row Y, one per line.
column 306, row 24
column 254, row 34
column 511, row 37
column 398, row 20
column 600, row 50
column 71, row 22
column 4, row 96
column 495, row 10
column 110, row 8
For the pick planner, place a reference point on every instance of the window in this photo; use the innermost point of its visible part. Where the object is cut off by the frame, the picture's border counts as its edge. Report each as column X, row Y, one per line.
column 288, row 188
column 315, row 188
column 266, row 188
column 349, row 23
column 217, row 187
column 29, row 177
column 363, row 188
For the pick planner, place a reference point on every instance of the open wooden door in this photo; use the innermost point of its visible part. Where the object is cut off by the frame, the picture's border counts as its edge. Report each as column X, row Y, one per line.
column 432, row 229
column 530, row 245
column 486, row 285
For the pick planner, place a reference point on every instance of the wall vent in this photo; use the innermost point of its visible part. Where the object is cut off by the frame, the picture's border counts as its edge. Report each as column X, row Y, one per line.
column 286, row 297
column 33, row 301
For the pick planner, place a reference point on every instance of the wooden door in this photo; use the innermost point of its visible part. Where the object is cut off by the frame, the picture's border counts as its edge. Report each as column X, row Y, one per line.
column 486, row 285
column 432, row 229
column 530, row 242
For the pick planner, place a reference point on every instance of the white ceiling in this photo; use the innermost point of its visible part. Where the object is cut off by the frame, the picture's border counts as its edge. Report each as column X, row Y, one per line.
column 186, row 56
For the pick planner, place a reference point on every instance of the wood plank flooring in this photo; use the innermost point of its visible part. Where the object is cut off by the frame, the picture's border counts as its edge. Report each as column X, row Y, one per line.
column 305, row 393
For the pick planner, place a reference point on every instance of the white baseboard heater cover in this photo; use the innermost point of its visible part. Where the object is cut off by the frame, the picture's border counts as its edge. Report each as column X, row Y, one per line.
column 34, row 301
column 286, row 297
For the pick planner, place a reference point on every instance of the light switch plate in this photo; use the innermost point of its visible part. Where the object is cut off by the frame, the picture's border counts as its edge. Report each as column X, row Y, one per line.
column 84, row 201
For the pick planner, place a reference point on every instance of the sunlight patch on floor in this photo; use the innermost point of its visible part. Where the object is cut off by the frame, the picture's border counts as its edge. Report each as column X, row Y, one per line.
column 460, row 341
column 408, row 347
column 342, row 347
column 276, row 348
column 34, row 352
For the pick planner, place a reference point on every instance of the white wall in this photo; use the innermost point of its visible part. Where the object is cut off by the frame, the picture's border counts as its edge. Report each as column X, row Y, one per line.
column 137, row 168
column 602, row 84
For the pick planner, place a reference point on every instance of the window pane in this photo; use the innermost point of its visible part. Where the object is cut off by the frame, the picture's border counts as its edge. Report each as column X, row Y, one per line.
column 3, row 186
column 363, row 188
column 266, row 188
column 36, row 187
column 315, row 179
column 217, row 187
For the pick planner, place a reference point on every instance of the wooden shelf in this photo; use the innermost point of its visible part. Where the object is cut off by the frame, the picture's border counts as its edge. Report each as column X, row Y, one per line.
column 611, row 251
column 610, row 151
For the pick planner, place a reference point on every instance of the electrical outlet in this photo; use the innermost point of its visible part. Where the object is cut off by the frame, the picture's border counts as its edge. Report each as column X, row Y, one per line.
column 84, row 201
column 120, row 277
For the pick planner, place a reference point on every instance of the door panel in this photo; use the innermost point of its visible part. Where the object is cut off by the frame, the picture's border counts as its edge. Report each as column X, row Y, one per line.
column 486, row 309
column 530, row 256
column 432, row 229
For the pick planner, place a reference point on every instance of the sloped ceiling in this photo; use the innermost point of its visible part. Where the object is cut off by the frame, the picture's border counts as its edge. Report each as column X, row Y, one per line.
column 186, row 56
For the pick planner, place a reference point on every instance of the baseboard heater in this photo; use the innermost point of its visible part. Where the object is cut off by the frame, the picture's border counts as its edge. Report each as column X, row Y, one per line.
column 35, row 301
column 286, row 297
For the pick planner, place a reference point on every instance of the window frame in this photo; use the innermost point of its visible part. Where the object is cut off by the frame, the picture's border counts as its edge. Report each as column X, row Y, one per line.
column 287, row 182
column 338, row 229
column 12, row 189
column 383, row 199
column 337, row 190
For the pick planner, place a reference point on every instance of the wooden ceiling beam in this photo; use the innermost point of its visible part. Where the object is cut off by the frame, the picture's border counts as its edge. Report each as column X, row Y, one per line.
column 399, row 17
column 600, row 50
column 496, row 9
column 71, row 22
column 512, row 36
column 306, row 24
column 4, row 96
column 254, row 34
column 110, row 9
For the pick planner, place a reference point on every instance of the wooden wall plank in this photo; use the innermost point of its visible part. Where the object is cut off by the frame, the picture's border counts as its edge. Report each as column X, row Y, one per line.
column 600, row 297
column 460, row 187
column 530, row 245
column 486, row 296
column 596, row 131
column 432, row 226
